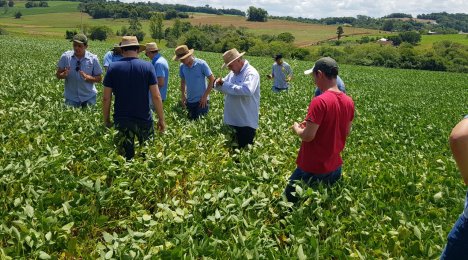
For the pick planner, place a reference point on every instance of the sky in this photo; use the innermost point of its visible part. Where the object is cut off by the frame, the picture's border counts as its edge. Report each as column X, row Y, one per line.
column 333, row 8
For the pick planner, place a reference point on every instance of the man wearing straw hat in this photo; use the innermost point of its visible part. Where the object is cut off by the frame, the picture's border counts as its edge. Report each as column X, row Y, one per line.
column 112, row 56
column 161, row 68
column 194, row 90
column 81, row 70
column 130, row 80
column 242, row 96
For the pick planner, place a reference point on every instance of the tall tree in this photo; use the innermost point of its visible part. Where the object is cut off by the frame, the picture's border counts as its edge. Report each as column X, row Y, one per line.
column 339, row 32
column 156, row 26
column 257, row 14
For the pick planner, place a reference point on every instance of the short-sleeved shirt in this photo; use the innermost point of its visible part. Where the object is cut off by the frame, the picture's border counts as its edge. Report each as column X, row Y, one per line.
column 161, row 67
column 280, row 74
column 195, row 79
column 76, row 88
column 130, row 79
column 333, row 112
column 110, row 57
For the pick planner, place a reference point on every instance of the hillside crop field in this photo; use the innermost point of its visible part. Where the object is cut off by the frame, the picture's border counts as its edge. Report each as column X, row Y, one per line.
column 65, row 193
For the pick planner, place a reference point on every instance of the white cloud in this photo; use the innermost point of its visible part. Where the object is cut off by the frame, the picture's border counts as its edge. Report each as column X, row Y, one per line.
column 334, row 8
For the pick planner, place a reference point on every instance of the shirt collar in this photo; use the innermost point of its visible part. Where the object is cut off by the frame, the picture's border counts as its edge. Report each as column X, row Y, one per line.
column 86, row 56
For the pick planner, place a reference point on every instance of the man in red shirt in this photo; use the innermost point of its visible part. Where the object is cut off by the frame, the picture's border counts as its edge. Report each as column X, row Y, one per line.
column 324, row 130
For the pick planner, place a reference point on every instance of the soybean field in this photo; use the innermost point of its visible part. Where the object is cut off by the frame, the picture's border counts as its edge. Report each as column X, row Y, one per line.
column 65, row 193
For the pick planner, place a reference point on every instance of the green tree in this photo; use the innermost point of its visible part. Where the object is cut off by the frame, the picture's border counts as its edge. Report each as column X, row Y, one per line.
column 156, row 26
column 412, row 37
column 257, row 14
column 100, row 32
column 18, row 15
column 135, row 27
column 286, row 37
column 339, row 32
column 388, row 25
column 11, row 3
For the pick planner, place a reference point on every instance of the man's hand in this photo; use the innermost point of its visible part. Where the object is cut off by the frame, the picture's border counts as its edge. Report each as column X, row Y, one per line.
column 64, row 73
column 203, row 101
column 219, row 81
column 269, row 76
column 183, row 101
column 85, row 76
column 161, row 126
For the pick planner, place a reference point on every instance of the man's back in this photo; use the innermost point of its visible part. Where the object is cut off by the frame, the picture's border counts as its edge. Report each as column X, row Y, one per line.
column 130, row 79
column 333, row 112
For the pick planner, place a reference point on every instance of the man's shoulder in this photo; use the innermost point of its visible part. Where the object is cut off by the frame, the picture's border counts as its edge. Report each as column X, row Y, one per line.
column 69, row 53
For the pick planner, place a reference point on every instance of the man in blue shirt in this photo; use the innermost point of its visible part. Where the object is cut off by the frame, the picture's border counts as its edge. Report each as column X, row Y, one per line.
column 111, row 56
column 130, row 80
column 161, row 68
column 194, row 90
column 242, row 96
column 281, row 73
column 81, row 70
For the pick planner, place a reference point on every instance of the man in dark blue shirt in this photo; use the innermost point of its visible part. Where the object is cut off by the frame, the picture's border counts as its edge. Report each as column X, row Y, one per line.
column 130, row 80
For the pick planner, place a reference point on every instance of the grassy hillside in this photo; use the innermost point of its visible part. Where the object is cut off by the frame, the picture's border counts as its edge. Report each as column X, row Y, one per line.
column 54, row 7
column 67, row 194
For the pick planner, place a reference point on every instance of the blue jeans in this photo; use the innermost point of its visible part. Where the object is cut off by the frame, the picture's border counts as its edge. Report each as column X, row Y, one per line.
column 277, row 90
column 195, row 111
column 457, row 240
column 310, row 179
column 89, row 102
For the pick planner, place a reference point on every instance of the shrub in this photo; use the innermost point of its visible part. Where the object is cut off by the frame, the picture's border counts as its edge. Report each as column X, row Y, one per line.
column 18, row 15
column 69, row 34
column 99, row 33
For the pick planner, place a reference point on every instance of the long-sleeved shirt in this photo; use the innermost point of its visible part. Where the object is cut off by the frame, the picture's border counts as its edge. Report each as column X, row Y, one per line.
column 242, row 97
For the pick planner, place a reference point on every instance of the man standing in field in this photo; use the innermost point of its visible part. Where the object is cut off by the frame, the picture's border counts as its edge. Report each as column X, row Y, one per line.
column 281, row 73
column 161, row 69
column 242, row 96
column 194, row 90
column 81, row 70
column 112, row 56
column 324, row 130
column 457, row 243
column 130, row 80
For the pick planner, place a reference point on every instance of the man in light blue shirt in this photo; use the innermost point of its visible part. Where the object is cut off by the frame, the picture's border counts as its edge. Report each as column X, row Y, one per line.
column 81, row 70
column 161, row 67
column 193, row 73
column 281, row 73
column 242, row 96
column 112, row 56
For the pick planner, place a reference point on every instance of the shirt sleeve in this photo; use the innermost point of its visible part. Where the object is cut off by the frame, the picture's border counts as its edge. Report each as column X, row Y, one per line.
column 246, row 88
column 158, row 68
column 316, row 110
column 108, row 78
column 181, row 73
column 289, row 70
column 63, row 62
column 107, row 59
column 97, row 70
column 206, row 70
column 152, row 76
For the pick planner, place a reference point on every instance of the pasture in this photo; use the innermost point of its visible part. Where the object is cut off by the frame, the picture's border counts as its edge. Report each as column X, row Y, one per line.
column 65, row 193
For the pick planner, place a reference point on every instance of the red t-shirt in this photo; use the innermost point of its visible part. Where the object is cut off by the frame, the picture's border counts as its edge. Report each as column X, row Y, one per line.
column 333, row 112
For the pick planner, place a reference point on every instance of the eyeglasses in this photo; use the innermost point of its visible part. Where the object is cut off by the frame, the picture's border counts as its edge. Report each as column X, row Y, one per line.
column 78, row 66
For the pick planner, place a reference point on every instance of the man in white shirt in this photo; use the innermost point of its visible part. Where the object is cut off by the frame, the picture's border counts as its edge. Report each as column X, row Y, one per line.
column 242, row 96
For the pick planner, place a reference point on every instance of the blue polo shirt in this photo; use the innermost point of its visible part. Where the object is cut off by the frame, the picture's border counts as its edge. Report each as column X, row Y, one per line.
column 130, row 79
column 195, row 79
column 110, row 57
column 76, row 88
column 161, row 67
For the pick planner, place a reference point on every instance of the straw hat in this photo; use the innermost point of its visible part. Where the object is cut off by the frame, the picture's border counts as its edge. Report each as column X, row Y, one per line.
column 230, row 56
column 116, row 47
column 152, row 46
column 182, row 52
column 128, row 41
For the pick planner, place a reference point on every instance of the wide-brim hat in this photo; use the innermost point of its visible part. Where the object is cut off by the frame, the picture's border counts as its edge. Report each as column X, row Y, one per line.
column 116, row 47
column 128, row 41
column 182, row 52
column 152, row 46
column 230, row 56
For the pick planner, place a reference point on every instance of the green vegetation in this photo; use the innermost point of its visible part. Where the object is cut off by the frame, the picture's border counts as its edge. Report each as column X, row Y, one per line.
column 54, row 7
column 67, row 194
column 257, row 14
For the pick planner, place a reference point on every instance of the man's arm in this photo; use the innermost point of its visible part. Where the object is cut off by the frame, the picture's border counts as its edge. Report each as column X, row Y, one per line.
column 106, row 104
column 459, row 145
column 157, row 102
column 247, row 88
column 89, row 78
column 204, row 99
column 307, row 132
column 182, row 92
column 160, row 82
column 62, row 73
